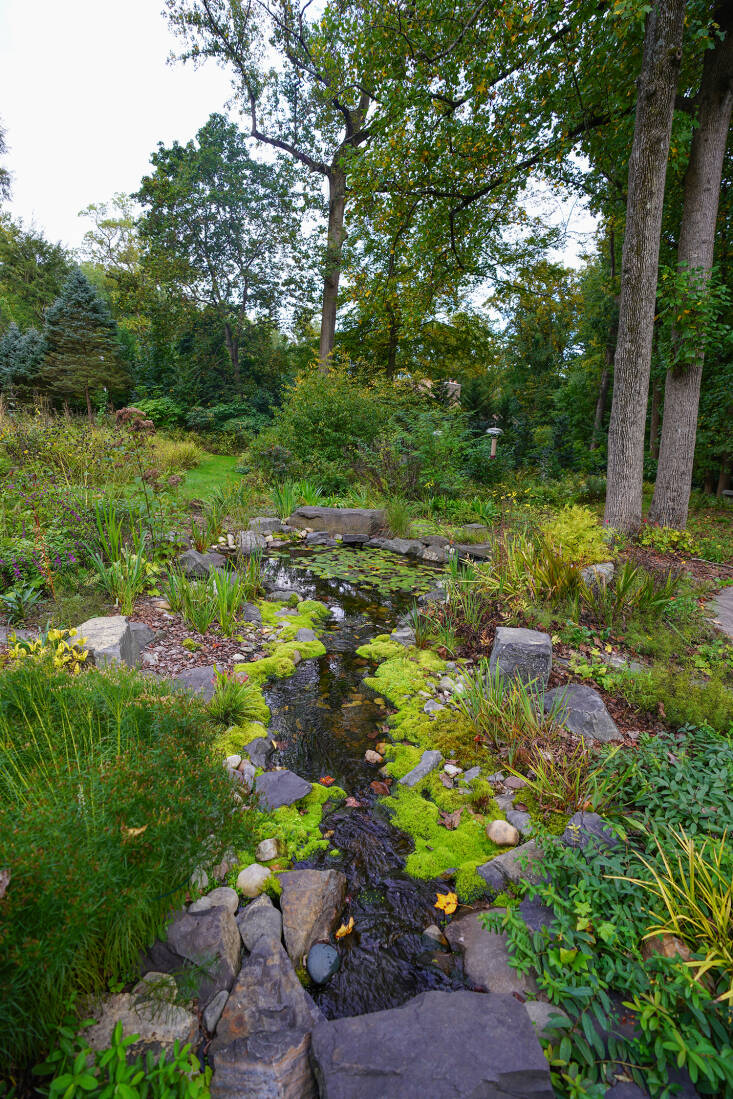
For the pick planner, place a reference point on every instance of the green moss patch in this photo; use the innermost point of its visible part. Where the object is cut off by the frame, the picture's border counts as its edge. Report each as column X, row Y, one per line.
column 236, row 737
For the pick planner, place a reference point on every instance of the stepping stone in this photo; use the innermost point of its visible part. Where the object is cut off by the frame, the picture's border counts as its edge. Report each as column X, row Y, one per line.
column 311, row 903
column 522, row 654
column 260, row 919
column 486, row 956
column 199, row 565
column 429, row 761
column 582, row 711
column 278, row 788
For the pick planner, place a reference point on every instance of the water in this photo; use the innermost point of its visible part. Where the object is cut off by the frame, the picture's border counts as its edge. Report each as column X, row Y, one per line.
column 325, row 721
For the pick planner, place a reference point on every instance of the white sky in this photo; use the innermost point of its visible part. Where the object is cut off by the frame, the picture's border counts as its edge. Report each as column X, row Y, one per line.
column 86, row 95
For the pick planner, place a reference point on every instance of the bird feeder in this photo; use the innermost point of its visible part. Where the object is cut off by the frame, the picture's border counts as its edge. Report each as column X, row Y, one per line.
column 494, row 432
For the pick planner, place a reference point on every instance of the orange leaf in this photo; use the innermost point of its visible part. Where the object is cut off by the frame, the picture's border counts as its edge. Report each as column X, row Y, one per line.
column 345, row 929
column 326, row 780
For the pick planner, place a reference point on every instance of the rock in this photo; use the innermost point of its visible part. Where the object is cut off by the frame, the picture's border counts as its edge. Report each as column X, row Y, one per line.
column 212, row 1014
column 265, row 524
column 110, row 640
column 403, row 546
column 502, row 833
column 477, row 551
column 486, row 956
column 594, row 575
column 435, row 595
column 523, row 863
column 428, row 762
column 142, row 635
column 581, row 710
column 432, row 707
column 452, row 771
column 221, row 897
column 545, row 1017
column 249, row 542
column 245, row 774
column 260, row 751
column 211, row 942
column 319, row 538
column 372, row 757
column 403, row 636
column 232, row 762
column 439, row 540
column 505, row 801
column 268, row 850
column 535, row 914
column 448, row 1044
column 435, row 555
column 323, row 961
column 199, row 681
column 252, row 880
column 276, row 788
column 305, row 635
column 478, row 529
column 251, row 613
column 584, row 829
column 199, row 565
column 522, row 654
column 521, row 821
column 150, row 1011
column 352, row 539
column 434, row 935
column 362, row 521
column 669, row 946
column 260, row 919
column 283, row 595
column 470, row 775
column 261, row 1044
column 513, row 782
column 311, row 903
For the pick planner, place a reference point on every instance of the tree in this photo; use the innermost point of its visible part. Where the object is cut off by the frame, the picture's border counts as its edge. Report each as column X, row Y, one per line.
column 82, row 345
column 712, row 107
column 32, row 273
column 640, row 259
column 21, row 355
column 4, row 173
column 218, row 227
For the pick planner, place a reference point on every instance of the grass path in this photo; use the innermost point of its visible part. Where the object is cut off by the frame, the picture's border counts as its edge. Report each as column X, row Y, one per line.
column 211, row 473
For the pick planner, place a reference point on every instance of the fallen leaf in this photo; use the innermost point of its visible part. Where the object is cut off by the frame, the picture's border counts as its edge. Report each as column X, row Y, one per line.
column 345, row 929
column 4, row 882
column 132, row 832
column 446, row 902
column 326, row 780
column 380, row 788
column 451, row 820
column 353, row 803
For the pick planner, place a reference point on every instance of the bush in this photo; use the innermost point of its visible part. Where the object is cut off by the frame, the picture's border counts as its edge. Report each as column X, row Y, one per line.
column 163, row 411
column 577, row 535
column 175, row 455
column 109, row 796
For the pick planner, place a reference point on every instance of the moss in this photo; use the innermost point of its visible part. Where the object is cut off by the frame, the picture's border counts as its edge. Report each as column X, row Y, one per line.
column 309, row 650
column 236, row 737
column 554, row 823
column 273, row 888
column 381, row 648
column 298, row 826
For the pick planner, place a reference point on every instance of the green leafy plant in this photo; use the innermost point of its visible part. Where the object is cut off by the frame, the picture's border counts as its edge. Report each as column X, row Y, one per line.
column 484, row 510
column 567, row 778
column 17, row 602
column 198, row 604
column 576, row 534
column 234, row 700
column 668, row 540
column 284, row 496
column 110, row 528
column 230, row 591
column 308, row 493
column 399, row 519
column 506, row 712
column 125, row 579
column 56, row 645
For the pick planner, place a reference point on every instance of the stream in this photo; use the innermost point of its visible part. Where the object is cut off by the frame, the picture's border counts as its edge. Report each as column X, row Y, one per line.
column 325, row 721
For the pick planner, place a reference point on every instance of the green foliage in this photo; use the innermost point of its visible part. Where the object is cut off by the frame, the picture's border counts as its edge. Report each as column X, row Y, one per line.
column 680, row 696
column 59, row 646
column 399, row 519
column 577, row 535
column 668, row 540
column 506, row 712
column 235, row 701
column 125, row 578
column 175, row 455
column 17, row 602
column 285, row 498
column 110, row 795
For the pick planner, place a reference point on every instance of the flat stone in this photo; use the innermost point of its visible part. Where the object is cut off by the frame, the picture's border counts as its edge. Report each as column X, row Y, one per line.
column 319, row 538
column 428, row 762
column 268, row 849
column 582, row 710
column 439, row 540
column 109, row 640
column 265, row 524
column 253, row 879
column 478, row 551
column 523, row 863
column 522, row 821
column 260, row 919
column 502, row 833
column 323, row 961
column 311, row 903
column 150, row 1011
column 221, row 897
column 249, row 542
column 212, row 1014
column 513, row 782
column 365, row 522
column 199, row 681
column 211, row 942
column 535, row 914
column 545, row 1017
column 454, row 1045
column 199, row 565
column 277, row 788
column 470, row 775
column 260, row 751
column 305, row 635
column 589, row 829
column 486, row 957
column 403, row 636
column 452, row 771
column 434, row 555
column 522, row 654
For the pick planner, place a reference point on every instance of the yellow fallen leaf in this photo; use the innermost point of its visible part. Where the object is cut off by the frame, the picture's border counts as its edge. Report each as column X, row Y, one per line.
column 447, row 902
column 345, row 929
column 132, row 832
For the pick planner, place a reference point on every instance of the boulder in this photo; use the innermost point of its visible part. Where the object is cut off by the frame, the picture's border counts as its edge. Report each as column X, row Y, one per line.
column 404, row 635
column 439, row 540
column 199, row 681
column 582, row 710
column 523, row 863
column 306, row 635
column 260, row 751
column 221, row 897
column 595, row 575
column 211, row 942
column 150, row 1011
column 283, row 595
column 311, row 903
column 113, row 639
column 266, row 1065
column 478, row 551
column 319, row 538
column 435, row 595
column 502, row 833
column 260, row 919
column 589, row 829
column 199, row 565
column 524, row 654
column 253, row 879
column 428, row 762
column 249, row 542
column 522, row 821
column 365, row 522
column 251, row 613
column 434, row 555
column 447, row 1044
column 277, row 788
column 486, row 957
column 265, row 524
column 212, row 1013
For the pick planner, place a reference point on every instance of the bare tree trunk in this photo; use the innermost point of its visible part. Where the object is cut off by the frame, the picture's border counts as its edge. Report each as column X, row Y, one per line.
column 695, row 253
column 608, row 354
column 724, row 478
column 332, row 273
column 232, row 345
column 654, row 418
column 640, row 262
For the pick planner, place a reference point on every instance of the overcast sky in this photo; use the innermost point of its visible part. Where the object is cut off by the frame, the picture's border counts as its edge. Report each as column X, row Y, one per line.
column 86, row 95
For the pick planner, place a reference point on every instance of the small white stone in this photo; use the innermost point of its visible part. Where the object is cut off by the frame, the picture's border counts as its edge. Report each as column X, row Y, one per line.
column 502, row 833
column 267, row 850
column 221, row 897
column 252, row 880
column 452, row 770
column 372, row 757
column 232, row 762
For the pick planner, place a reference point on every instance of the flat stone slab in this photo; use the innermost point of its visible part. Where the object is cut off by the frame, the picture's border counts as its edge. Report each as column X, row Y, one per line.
column 479, row 551
column 365, row 522
column 210, row 940
column 113, row 639
column 311, row 903
column 523, row 863
column 454, row 1045
column 195, row 564
column 486, row 957
column 582, row 711
column 277, row 788
column 429, row 761
column 723, row 610
column 522, row 654
column 150, row 1011
column 199, row 681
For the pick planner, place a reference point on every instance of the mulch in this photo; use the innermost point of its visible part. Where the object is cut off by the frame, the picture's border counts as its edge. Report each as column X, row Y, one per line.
column 662, row 563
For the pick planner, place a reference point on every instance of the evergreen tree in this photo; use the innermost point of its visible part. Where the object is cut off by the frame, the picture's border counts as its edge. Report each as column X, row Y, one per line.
column 83, row 353
column 21, row 355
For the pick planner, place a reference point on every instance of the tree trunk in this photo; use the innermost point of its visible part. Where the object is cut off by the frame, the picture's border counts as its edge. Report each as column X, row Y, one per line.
column 654, row 418
column 724, row 478
column 232, row 345
column 90, row 414
column 392, row 343
column 332, row 273
column 608, row 354
column 640, row 262
column 695, row 252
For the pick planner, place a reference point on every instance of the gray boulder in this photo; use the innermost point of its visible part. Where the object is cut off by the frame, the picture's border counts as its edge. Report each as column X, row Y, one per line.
column 365, row 522
column 582, row 710
column 251, row 613
column 265, row 524
column 265, row 1065
column 210, row 941
column 199, row 565
column 404, row 635
column 595, row 575
column 478, row 551
column 448, row 1044
column 434, row 554
column 277, row 788
column 283, row 595
column 429, row 761
column 212, row 1014
column 114, row 639
column 486, row 957
column 221, row 897
column 523, row 863
column 435, row 540
column 304, row 634
column 589, row 830
column 249, row 542
column 199, row 681
column 260, row 751
column 260, row 919
column 311, row 903
column 150, row 1011
column 319, row 538
column 524, row 654
column 521, row 821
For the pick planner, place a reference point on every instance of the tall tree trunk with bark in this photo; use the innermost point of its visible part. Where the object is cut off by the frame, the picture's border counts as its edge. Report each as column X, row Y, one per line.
column 608, row 353
column 640, row 262
column 695, row 253
column 654, row 418
column 232, row 345
column 332, row 273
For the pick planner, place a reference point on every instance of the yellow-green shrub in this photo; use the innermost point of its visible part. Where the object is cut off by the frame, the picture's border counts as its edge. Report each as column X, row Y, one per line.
column 577, row 534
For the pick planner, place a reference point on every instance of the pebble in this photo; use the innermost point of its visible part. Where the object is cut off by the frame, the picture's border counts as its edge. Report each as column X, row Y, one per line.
column 514, row 782
column 268, row 850
column 502, row 833
column 252, row 880
column 452, row 770
column 471, row 774
column 322, row 962
column 372, row 757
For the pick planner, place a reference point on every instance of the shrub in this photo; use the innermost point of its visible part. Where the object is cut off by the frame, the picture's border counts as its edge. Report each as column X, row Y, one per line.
column 577, row 535
column 109, row 796
column 399, row 520
column 176, row 455
column 163, row 411
column 668, row 540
